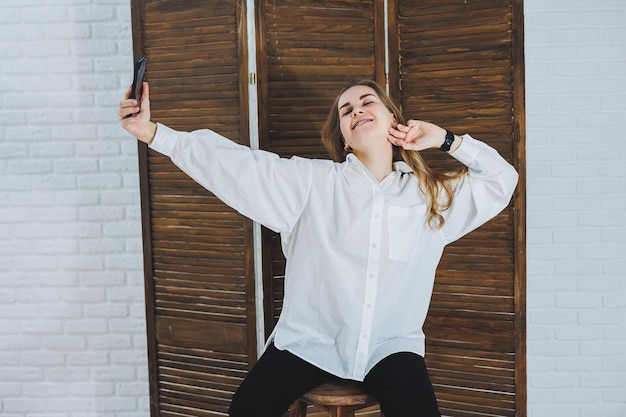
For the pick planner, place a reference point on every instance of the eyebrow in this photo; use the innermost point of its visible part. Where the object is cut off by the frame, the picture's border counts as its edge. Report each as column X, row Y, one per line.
column 360, row 98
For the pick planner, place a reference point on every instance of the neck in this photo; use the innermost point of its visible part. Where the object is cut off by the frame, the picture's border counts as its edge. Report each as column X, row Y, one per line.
column 378, row 165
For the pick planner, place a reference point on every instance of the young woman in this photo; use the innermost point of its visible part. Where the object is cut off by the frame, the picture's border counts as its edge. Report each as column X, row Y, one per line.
column 362, row 236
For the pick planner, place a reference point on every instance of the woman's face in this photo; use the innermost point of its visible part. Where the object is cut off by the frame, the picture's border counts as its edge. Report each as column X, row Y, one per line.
column 364, row 119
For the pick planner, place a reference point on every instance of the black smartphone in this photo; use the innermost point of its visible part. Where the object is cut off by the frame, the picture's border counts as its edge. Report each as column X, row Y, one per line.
column 140, row 71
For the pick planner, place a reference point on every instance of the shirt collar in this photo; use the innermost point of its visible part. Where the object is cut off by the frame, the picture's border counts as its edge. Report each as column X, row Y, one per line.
column 400, row 166
column 352, row 160
column 399, row 169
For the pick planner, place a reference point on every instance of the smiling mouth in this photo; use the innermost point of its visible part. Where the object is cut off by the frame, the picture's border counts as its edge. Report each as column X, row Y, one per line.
column 360, row 122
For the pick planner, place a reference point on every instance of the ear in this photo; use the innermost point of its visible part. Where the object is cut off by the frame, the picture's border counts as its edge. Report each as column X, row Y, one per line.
column 346, row 147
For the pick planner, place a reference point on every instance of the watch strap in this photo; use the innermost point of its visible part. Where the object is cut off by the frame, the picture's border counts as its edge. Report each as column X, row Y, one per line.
column 447, row 143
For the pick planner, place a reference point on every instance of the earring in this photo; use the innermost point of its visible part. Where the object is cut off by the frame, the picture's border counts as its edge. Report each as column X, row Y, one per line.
column 347, row 148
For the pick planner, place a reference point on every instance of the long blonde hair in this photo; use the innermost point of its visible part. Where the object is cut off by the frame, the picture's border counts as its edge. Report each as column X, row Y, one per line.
column 435, row 185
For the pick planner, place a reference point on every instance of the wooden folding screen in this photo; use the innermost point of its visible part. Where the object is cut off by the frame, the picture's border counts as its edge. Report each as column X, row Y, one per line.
column 198, row 252
column 458, row 63
column 308, row 50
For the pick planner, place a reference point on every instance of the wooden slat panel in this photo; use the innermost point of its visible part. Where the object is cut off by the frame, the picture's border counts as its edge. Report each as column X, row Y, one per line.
column 198, row 382
column 306, row 47
column 194, row 378
column 309, row 50
column 456, row 70
column 465, row 375
column 197, row 334
column 200, row 281
column 312, row 49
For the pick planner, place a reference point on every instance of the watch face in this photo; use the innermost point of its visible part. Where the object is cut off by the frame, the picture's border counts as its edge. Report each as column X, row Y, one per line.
column 448, row 141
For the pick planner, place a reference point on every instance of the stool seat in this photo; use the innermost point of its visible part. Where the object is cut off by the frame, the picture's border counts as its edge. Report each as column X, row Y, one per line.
column 339, row 398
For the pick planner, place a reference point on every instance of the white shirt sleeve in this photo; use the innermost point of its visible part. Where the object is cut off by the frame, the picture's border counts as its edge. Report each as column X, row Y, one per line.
column 256, row 183
column 483, row 193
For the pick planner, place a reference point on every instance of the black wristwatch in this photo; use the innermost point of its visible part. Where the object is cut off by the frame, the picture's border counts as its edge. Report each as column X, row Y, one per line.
column 448, row 142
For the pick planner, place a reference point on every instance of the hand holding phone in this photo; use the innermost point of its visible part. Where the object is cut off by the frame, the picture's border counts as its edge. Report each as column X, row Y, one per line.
column 140, row 71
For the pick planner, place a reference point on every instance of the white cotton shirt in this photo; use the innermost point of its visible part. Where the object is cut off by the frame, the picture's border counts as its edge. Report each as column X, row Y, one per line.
column 361, row 258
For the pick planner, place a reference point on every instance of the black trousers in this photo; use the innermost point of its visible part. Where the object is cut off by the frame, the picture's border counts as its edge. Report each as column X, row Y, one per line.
column 399, row 382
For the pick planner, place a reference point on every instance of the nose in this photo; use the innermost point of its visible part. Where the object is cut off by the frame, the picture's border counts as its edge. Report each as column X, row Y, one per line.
column 356, row 110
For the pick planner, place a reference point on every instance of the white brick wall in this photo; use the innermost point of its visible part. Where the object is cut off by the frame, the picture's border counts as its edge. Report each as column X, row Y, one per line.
column 72, row 338
column 576, row 155
column 72, row 327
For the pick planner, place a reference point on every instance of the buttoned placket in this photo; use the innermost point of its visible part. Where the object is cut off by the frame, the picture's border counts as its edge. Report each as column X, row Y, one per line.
column 371, row 282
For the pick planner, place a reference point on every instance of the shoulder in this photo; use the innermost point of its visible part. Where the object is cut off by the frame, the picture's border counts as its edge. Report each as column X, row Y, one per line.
column 317, row 165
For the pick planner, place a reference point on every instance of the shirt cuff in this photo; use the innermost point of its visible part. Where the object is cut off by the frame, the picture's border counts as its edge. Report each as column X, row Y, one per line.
column 164, row 140
column 468, row 151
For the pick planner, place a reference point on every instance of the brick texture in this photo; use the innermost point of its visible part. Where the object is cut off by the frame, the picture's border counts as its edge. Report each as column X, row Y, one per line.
column 72, row 325
column 576, row 155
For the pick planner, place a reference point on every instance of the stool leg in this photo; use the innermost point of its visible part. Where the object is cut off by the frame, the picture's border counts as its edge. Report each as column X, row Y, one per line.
column 339, row 411
column 298, row 409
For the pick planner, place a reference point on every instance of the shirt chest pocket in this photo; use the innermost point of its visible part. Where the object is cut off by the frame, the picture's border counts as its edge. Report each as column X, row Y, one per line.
column 405, row 225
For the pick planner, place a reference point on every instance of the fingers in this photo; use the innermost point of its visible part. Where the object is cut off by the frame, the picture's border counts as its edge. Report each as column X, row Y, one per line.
column 396, row 137
column 408, row 136
column 412, row 127
column 395, row 133
column 145, row 100
column 395, row 141
column 128, row 107
column 145, row 95
column 134, row 115
column 416, row 135
column 412, row 122
column 402, row 128
column 409, row 124
column 399, row 132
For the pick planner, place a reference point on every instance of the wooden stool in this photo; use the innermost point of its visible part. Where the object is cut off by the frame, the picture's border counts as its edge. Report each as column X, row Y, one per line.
column 339, row 398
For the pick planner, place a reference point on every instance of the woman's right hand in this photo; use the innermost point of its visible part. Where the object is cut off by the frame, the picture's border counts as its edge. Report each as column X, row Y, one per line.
column 138, row 124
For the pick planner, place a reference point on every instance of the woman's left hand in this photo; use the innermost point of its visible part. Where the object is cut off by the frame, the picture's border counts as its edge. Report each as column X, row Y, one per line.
column 416, row 135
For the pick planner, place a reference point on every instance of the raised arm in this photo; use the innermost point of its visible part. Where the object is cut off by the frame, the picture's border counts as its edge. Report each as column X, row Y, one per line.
column 481, row 194
column 258, row 184
column 418, row 135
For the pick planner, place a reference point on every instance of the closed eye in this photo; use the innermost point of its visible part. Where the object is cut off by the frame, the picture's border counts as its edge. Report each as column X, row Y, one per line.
column 349, row 110
column 365, row 102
